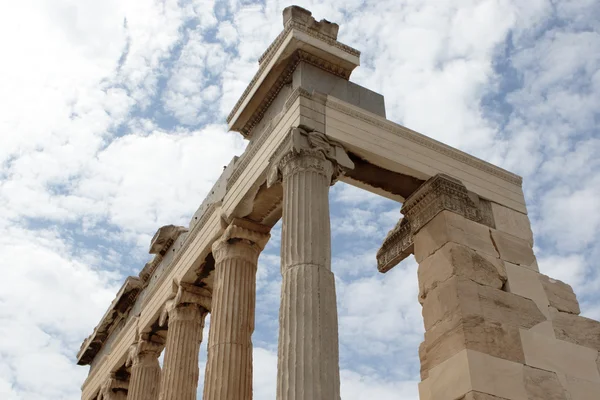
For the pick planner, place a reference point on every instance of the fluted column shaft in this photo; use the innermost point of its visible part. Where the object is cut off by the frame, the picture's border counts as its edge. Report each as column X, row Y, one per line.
column 145, row 370
column 229, row 366
column 308, row 354
column 180, row 367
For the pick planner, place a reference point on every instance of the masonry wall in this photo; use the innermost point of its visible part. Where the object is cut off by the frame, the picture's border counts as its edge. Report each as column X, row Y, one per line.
column 496, row 328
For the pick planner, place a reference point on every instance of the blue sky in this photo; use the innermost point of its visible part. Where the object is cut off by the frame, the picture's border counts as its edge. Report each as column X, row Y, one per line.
column 112, row 125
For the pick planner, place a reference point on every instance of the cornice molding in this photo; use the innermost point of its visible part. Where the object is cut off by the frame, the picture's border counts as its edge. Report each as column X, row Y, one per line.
column 428, row 142
column 299, row 55
column 118, row 310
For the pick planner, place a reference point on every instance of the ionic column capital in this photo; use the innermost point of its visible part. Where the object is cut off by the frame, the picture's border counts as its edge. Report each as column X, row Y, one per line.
column 242, row 239
column 189, row 303
column 146, row 350
column 308, row 151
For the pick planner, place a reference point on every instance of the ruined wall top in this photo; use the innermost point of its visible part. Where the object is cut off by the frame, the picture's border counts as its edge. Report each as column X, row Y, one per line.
column 303, row 39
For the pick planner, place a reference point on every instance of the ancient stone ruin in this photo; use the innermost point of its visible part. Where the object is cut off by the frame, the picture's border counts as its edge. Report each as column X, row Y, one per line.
column 496, row 329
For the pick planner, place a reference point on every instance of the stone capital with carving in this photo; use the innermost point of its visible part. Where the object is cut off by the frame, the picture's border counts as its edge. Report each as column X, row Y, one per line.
column 145, row 350
column 440, row 192
column 188, row 303
column 242, row 239
column 308, row 151
column 112, row 385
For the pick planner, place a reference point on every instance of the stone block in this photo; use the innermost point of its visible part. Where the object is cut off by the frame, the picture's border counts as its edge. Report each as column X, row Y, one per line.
column 457, row 260
column 496, row 376
column 580, row 389
column 474, row 333
column 559, row 356
column 451, row 379
column 527, row 283
column 512, row 248
column 480, row 396
column 576, row 329
column 542, row 385
column 560, row 295
column 512, row 222
column 450, row 227
column 459, row 297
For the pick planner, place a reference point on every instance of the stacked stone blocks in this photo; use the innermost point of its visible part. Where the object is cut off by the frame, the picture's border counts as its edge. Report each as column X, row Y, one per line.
column 495, row 327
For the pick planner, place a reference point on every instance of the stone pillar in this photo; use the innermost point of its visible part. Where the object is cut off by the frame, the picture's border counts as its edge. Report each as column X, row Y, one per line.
column 186, row 314
column 114, row 389
column 308, row 360
column 495, row 328
column 229, row 366
column 145, row 369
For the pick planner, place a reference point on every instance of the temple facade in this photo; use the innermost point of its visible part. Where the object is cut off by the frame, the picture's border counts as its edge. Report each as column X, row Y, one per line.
column 495, row 327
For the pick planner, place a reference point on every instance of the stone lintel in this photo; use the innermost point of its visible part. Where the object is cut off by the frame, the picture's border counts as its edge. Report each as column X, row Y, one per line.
column 164, row 237
column 120, row 306
column 303, row 39
column 440, row 192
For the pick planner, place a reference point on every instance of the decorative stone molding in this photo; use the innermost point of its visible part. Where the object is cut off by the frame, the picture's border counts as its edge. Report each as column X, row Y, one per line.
column 147, row 348
column 113, row 389
column 318, row 147
column 164, row 238
column 118, row 310
column 186, row 294
column 397, row 245
column 440, row 192
column 253, row 234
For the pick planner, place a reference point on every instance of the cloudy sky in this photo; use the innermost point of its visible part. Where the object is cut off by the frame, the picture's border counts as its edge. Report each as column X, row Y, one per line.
column 112, row 124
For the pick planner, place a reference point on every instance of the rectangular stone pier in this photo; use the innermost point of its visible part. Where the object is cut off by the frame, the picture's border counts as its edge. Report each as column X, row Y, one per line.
column 496, row 328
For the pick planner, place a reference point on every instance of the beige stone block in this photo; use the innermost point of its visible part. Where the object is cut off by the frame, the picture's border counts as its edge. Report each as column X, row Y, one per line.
column 544, row 328
column 424, row 392
column 458, row 298
column 526, row 283
column 480, row 396
column 457, row 260
column 542, row 385
column 512, row 248
column 512, row 222
column 560, row 295
column 576, row 329
column 450, row 227
column 451, row 379
column 580, row 389
column 559, row 356
column 496, row 376
column 474, row 333
column 473, row 375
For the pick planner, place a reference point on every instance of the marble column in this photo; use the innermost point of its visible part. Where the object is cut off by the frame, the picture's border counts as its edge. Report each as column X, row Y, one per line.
column 186, row 314
column 308, row 354
column 229, row 366
column 114, row 389
column 145, row 369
